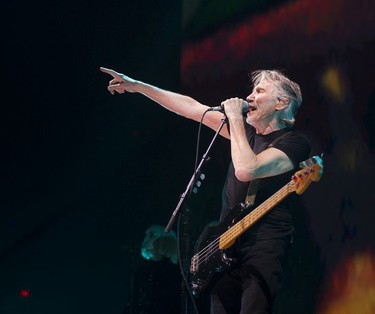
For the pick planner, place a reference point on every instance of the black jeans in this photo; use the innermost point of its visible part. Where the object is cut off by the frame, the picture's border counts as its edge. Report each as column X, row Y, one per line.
column 250, row 287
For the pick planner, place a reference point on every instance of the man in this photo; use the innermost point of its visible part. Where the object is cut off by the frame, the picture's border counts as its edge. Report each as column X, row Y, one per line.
column 263, row 146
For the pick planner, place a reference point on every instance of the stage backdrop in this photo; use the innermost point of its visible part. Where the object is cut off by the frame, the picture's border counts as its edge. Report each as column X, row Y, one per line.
column 328, row 47
column 85, row 173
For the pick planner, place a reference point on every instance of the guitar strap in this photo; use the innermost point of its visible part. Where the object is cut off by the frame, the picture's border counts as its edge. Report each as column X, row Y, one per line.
column 253, row 186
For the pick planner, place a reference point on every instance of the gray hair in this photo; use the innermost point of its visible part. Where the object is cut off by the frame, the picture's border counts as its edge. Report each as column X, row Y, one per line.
column 286, row 89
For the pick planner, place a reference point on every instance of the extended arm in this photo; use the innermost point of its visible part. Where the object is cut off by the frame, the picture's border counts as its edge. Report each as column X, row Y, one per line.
column 177, row 103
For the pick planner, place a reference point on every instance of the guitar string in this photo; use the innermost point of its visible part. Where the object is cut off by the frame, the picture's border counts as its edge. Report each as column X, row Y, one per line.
column 284, row 191
column 258, row 212
column 209, row 250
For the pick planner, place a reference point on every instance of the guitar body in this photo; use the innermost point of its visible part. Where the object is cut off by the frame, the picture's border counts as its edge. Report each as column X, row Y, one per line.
column 209, row 259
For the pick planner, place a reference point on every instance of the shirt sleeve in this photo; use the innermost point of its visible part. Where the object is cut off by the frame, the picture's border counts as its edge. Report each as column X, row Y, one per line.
column 296, row 146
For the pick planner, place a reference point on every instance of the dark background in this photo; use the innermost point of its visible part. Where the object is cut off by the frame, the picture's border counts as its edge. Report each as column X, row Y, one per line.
column 84, row 173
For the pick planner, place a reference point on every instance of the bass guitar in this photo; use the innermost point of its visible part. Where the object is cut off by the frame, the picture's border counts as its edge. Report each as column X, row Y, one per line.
column 214, row 242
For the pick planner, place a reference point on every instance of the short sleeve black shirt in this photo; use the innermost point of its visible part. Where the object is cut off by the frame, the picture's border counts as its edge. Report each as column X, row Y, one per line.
column 278, row 222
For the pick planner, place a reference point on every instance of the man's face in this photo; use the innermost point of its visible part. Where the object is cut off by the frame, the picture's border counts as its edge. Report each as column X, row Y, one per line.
column 263, row 101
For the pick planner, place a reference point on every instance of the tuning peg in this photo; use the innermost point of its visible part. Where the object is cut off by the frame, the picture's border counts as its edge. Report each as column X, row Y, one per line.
column 307, row 163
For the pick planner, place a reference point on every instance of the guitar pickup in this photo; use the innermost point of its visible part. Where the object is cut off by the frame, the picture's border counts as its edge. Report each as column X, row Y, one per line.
column 194, row 264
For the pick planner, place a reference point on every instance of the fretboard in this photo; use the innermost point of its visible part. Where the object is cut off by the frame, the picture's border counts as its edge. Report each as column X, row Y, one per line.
column 229, row 236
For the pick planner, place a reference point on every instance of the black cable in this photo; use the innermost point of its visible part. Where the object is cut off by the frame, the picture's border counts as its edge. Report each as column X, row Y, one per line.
column 183, row 269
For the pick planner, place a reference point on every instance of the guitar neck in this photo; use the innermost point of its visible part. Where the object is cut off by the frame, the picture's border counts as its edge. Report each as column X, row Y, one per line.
column 228, row 237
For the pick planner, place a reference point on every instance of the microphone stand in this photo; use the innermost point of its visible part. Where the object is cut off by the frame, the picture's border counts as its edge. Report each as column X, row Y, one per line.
column 194, row 177
column 184, row 285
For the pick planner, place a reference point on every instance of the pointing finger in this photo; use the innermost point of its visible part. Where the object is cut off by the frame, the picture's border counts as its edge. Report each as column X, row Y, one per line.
column 110, row 72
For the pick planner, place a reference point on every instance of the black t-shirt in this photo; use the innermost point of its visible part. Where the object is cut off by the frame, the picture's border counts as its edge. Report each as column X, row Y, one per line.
column 278, row 222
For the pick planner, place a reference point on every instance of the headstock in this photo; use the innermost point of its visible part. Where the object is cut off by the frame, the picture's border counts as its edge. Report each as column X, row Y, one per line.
column 312, row 170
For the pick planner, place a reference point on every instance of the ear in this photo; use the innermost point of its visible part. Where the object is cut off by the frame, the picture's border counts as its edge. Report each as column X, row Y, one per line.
column 282, row 104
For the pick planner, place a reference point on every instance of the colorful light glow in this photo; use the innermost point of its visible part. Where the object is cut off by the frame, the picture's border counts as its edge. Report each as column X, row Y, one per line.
column 24, row 293
column 333, row 84
column 352, row 287
column 295, row 30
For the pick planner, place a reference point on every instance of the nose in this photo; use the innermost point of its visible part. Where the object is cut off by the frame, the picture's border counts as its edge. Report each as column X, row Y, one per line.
column 250, row 98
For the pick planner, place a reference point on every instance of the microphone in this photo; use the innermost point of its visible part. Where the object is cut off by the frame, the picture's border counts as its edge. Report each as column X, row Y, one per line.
column 245, row 108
